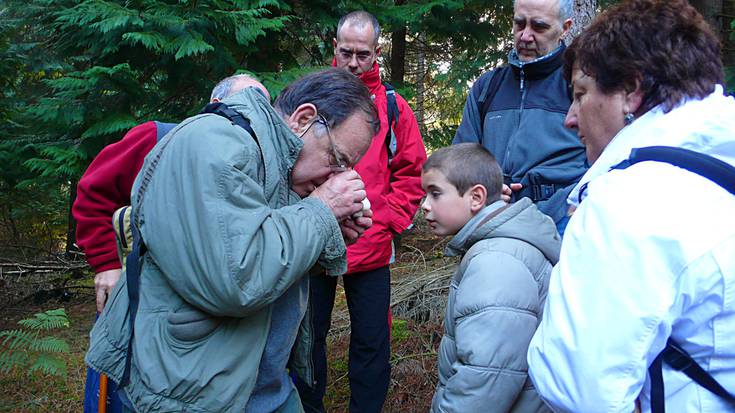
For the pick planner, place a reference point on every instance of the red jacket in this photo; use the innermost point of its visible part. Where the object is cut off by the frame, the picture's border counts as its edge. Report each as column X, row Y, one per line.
column 394, row 192
column 104, row 188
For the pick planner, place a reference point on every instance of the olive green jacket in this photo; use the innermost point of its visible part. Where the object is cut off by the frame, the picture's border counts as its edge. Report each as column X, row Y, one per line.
column 226, row 236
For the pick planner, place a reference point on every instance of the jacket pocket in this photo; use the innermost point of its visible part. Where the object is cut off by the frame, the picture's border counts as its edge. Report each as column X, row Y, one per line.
column 188, row 325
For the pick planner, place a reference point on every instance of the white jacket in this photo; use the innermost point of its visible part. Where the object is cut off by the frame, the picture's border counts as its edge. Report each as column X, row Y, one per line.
column 649, row 254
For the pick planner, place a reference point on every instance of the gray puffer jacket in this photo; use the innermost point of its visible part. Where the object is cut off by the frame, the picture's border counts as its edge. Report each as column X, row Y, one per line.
column 496, row 298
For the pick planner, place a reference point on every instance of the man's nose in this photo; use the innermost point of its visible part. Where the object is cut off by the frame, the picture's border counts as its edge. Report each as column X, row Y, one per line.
column 353, row 60
column 527, row 35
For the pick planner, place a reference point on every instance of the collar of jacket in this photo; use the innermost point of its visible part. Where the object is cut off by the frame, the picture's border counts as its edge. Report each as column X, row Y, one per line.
column 538, row 68
column 520, row 220
column 265, row 121
column 371, row 78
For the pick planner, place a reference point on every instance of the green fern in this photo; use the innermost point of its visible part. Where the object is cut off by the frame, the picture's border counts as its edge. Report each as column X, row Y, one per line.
column 27, row 348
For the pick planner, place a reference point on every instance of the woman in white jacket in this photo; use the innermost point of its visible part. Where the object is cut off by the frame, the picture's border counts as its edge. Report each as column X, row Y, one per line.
column 650, row 251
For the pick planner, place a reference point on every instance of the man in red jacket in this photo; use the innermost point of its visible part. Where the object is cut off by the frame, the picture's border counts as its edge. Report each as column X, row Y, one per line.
column 394, row 189
column 106, row 185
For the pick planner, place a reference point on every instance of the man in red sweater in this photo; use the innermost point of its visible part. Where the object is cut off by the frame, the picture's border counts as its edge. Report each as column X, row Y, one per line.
column 394, row 189
column 106, row 185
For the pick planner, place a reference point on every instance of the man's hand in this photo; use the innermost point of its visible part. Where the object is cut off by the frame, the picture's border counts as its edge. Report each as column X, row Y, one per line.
column 353, row 227
column 507, row 192
column 342, row 193
column 103, row 283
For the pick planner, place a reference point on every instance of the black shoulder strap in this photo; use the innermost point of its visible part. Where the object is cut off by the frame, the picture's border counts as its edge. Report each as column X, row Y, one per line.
column 162, row 129
column 221, row 109
column 717, row 171
column 680, row 360
column 488, row 92
column 390, row 136
column 723, row 174
column 134, row 261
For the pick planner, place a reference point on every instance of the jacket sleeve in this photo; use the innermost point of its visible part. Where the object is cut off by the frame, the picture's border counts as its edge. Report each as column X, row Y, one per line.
column 104, row 188
column 470, row 129
column 222, row 246
column 608, row 311
column 495, row 309
column 405, row 167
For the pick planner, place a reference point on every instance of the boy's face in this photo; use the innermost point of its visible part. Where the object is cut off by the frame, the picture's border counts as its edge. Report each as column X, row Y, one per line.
column 445, row 209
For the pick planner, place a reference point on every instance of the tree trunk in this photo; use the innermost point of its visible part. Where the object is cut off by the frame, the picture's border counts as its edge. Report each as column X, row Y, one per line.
column 398, row 57
column 420, row 79
column 584, row 13
column 71, row 228
column 398, row 53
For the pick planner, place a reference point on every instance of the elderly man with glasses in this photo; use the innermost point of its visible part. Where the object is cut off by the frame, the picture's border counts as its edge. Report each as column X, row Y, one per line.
column 232, row 219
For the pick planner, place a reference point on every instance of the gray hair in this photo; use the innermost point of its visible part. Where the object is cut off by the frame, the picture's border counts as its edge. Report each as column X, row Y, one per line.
column 224, row 88
column 566, row 9
column 360, row 18
column 336, row 93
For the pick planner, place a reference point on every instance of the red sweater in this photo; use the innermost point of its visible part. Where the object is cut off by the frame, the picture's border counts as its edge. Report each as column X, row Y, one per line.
column 104, row 188
column 394, row 192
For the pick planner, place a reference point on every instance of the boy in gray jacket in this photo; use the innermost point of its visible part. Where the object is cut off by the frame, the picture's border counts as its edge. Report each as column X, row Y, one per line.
column 497, row 294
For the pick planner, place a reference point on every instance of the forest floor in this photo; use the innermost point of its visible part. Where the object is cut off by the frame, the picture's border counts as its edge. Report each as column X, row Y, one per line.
column 419, row 281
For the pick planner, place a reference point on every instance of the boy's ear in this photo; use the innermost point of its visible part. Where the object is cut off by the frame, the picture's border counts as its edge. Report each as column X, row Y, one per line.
column 478, row 196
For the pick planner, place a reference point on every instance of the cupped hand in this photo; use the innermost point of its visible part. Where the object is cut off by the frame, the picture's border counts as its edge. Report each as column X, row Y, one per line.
column 343, row 193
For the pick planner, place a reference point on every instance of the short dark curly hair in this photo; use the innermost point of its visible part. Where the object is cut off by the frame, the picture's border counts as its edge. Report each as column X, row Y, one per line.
column 666, row 45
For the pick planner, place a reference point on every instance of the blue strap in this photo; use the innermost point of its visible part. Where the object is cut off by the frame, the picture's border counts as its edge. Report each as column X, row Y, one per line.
column 133, row 266
column 162, row 129
column 393, row 114
column 717, row 171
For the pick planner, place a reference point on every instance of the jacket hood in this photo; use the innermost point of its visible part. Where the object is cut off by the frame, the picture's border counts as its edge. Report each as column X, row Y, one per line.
column 520, row 220
column 249, row 102
column 540, row 67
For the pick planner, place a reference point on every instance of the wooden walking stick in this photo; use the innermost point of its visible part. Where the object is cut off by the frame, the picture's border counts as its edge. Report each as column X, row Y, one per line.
column 102, row 402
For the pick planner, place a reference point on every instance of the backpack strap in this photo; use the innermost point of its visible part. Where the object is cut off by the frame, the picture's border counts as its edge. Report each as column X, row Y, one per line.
column 134, row 262
column 680, row 360
column 488, row 92
column 221, row 109
column 162, row 129
column 717, row 171
column 723, row 174
column 393, row 114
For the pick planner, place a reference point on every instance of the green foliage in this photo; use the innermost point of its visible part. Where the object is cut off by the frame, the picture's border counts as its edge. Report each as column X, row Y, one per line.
column 399, row 331
column 27, row 348
column 76, row 74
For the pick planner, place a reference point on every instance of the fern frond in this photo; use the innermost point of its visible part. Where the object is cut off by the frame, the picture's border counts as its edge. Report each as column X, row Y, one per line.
column 49, row 345
column 19, row 339
column 15, row 359
column 49, row 364
column 50, row 319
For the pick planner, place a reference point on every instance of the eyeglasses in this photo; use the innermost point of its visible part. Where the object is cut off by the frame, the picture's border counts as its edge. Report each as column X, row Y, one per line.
column 340, row 165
